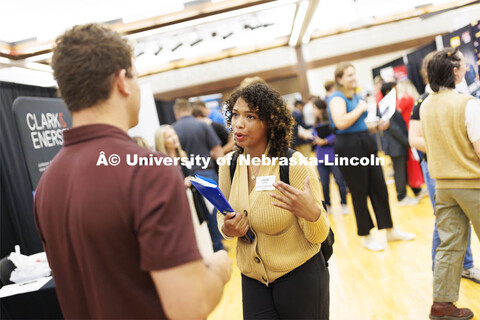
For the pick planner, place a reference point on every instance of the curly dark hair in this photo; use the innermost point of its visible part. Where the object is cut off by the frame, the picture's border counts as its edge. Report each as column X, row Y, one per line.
column 271, row 108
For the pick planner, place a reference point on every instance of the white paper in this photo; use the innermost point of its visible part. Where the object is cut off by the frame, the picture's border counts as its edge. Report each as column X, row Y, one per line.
column 265, row 183
column 18, row 288
column 388, row 104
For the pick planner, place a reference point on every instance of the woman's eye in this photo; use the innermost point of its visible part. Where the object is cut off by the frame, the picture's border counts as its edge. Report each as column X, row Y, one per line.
column 234, row 115
column 251, row 117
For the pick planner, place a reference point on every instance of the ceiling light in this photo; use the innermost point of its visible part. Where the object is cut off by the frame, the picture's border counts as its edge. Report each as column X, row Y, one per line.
column 195, row 42
column 227, row 35
column 160, row 48
column 177, row 46
column 297, row 24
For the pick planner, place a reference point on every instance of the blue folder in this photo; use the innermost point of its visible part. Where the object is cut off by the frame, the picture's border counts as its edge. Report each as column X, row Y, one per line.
column 214, row 195
column 217, row 199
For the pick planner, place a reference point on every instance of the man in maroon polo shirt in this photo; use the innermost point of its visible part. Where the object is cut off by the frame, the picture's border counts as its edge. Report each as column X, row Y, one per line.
column 119, row 238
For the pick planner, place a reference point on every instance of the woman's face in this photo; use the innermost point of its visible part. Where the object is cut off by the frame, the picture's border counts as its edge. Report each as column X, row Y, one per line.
column 171, row 139
column 461, row 70
column 349, row 79
column 248, row 130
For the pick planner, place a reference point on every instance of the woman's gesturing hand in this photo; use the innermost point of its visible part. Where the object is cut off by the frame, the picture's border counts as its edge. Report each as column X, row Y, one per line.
column 235, row 225
column 300, row 203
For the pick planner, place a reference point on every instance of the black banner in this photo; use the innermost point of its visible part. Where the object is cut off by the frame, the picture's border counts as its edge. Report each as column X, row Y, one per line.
column 465, row 39
column 40, row 123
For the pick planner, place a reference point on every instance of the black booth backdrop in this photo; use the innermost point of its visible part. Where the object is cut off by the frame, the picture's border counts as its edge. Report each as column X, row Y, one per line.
column 16, row 200
column 414, row 65
column 394, row 63
column 165, row 111
column 17, row 225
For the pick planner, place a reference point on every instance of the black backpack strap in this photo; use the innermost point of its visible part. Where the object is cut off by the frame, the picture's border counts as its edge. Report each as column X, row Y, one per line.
column 233, row 165
column 284, row 170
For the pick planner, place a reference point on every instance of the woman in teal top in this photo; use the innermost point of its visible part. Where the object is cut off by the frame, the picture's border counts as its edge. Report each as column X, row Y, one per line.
column 347, row 113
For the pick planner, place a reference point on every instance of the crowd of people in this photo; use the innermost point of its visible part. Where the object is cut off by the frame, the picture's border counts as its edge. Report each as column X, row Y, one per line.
column 144, row 240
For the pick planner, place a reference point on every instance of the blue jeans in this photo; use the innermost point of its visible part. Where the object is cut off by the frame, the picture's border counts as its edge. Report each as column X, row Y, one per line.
column 212, row 217
column 430, row 183
column 324, row 172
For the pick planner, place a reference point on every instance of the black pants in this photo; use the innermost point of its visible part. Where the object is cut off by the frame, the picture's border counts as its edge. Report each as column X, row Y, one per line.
column 400, row 175
column 302, row 293
column 364, row 181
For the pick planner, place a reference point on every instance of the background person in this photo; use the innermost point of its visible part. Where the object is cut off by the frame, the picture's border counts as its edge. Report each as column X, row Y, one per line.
column 200, row 112
column 415, row 137
column 451, row 129
column 166, row 141
column 397, row 147
column 199, row 139
column 324, row 147
column 284, row 274
column 347, row 113
column 302, row 137
column 142, row 142
column 119, row 242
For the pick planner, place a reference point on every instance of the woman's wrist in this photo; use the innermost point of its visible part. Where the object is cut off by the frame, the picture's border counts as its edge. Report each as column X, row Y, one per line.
column 315, row 215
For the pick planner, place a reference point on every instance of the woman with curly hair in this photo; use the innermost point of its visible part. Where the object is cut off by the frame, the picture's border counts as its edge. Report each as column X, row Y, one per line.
column 284, row 274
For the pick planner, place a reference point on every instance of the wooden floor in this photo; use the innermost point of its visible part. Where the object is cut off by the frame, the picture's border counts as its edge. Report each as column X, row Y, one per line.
column 393, row 284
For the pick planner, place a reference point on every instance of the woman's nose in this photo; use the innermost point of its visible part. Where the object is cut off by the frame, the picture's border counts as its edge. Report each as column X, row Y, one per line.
column 239, row 122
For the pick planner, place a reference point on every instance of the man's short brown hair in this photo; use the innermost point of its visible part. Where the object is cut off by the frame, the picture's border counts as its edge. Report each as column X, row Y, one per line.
column 182, row 105
column 199, row 109
column 85, row 61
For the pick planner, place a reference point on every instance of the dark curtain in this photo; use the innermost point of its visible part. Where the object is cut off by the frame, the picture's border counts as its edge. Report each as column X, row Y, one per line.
column 165, row 111
column 16, row 199
column 415, row 64
column 394, row 63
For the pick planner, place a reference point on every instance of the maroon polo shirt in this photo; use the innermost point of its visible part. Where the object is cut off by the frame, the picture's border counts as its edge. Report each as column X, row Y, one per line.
column 105, row 227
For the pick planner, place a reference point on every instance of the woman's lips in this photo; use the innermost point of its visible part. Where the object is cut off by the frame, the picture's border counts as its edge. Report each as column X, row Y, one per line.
column 239, row 137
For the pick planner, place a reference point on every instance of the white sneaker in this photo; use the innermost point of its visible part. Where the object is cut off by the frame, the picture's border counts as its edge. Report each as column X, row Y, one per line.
column 408, row 202
column 472, row 274
column 371, row 244
column 345, row 209
column 395, row 234
column 328, row 209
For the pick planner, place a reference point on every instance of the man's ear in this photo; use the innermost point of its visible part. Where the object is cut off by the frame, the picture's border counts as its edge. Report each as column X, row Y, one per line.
column 121, row 82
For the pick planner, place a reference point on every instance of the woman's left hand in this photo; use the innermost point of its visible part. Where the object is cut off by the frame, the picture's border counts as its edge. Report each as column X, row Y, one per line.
column 300, row 203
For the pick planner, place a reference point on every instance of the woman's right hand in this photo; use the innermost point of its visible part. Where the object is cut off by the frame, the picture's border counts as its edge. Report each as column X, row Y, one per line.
column 235, row 225
column 363, row 105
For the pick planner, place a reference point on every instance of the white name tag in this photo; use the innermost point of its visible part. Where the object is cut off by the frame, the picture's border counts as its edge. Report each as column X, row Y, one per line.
column 265, row 183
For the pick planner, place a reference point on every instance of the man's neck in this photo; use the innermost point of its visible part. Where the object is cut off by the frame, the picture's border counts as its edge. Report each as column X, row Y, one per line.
column 183, row 115
column 103, row 113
